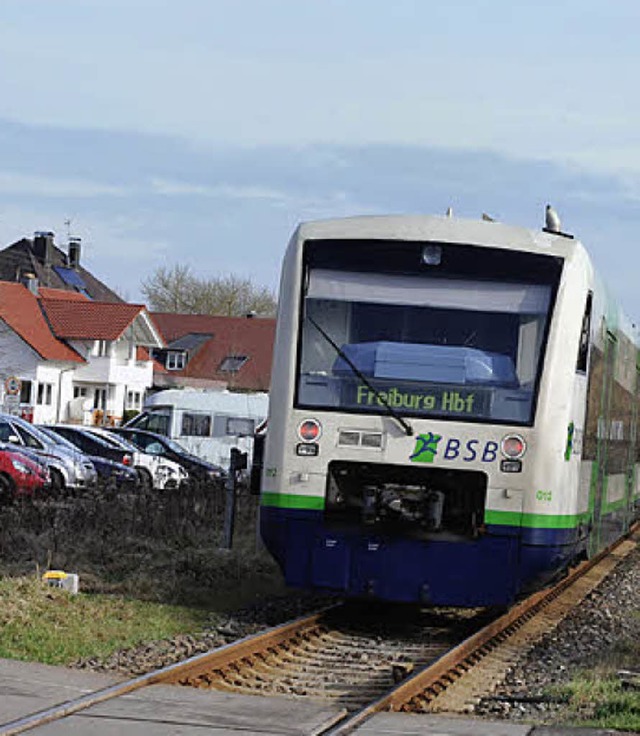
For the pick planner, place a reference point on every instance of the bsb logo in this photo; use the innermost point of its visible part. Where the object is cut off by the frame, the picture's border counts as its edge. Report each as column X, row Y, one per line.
column 429, row 445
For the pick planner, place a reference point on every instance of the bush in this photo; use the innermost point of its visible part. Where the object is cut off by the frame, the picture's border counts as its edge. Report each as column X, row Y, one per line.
column 164, row 546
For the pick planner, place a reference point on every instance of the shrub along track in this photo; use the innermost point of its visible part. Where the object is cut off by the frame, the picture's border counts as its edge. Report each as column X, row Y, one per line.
column 367, row 660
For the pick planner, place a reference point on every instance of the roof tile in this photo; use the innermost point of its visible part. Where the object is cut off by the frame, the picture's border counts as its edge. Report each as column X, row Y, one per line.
column 226, row 336
column 20, row 309
column 71, row 319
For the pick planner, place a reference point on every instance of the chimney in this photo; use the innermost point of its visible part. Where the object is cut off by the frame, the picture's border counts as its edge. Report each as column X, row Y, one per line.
column 30, row 280
column 73, row 258
column 43, row 246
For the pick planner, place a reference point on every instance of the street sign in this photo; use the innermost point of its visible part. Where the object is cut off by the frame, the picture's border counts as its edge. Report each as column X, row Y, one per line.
column 12, row 386
column 11, row 404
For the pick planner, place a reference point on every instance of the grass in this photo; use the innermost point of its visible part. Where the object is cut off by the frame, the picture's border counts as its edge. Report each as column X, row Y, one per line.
column 601, row 701
column 597, row 697
column 42, row 624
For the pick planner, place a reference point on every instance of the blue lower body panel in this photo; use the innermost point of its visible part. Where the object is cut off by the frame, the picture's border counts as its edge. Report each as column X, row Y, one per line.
column 490, row 570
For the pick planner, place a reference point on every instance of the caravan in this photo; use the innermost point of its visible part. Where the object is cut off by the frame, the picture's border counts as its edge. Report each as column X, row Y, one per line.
column 206, row 423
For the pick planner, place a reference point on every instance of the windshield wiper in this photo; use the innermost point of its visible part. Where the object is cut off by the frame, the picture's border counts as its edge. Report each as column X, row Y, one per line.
column 408, row 430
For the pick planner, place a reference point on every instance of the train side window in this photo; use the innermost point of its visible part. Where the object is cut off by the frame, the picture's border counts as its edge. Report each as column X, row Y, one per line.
column 583, row 349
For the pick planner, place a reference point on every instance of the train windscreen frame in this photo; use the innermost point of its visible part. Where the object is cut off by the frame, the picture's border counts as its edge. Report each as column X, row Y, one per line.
column 429, row 329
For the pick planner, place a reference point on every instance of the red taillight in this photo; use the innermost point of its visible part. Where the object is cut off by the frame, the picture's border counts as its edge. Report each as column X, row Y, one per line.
column 309, row 430
column 127, row 460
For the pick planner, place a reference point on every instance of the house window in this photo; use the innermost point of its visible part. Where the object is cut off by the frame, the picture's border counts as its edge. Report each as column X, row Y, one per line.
column 45, row 391
column 134, row 399
column 25, row 392
column 232, row 363
column 101, row 348
column 79, row 391
column 176, row 361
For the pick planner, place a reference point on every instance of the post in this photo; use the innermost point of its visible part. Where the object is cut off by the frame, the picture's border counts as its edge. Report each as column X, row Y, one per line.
column 237, row 461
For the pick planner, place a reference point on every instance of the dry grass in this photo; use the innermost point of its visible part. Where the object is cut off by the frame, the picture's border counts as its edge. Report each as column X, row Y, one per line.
column 43, row 624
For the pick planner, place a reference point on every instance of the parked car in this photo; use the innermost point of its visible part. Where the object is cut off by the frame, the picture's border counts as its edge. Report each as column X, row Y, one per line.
column 20, row 475
column 157, row 444
column 155, row 472
column 68, row 468
column 110, row 474
column 123, row 474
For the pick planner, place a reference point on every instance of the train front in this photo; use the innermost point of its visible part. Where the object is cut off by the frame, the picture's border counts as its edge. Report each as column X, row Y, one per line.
column 407, row 369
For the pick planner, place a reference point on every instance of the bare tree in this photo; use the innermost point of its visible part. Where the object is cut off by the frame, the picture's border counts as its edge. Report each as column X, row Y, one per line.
column 176, row 289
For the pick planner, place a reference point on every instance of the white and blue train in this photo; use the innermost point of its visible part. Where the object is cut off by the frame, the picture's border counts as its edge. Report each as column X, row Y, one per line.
column 453, row 411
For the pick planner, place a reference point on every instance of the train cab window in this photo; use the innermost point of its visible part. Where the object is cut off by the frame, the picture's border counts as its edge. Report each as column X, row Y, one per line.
column 583, row 348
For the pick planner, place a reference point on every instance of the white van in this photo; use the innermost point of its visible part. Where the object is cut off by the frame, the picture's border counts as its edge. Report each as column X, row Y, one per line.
column 206, row 423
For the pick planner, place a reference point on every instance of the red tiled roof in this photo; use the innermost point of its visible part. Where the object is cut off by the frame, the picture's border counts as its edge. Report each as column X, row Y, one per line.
column 251, row 337
column 19, row 308
column 47, row 293
column 71, row 319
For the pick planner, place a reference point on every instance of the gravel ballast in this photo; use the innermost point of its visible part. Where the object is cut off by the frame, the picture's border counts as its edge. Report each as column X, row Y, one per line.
column 605, row 620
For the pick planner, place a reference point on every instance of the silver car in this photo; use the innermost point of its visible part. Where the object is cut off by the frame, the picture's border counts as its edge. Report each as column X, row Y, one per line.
column 69, row 469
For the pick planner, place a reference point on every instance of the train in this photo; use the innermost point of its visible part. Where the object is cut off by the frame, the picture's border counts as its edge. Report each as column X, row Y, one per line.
column 453, row 411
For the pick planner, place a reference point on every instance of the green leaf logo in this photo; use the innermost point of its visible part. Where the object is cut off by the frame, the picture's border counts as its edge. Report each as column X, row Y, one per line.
column 426, row 448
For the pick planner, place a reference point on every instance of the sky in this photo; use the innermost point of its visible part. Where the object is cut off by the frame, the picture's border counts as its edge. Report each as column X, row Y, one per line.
column 201, row 132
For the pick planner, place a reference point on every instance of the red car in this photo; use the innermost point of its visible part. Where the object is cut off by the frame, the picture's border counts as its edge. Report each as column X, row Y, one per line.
column 20, row 475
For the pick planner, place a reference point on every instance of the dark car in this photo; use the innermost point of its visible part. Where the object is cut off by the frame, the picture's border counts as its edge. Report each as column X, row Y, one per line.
column 157, row 444
column 110, row 474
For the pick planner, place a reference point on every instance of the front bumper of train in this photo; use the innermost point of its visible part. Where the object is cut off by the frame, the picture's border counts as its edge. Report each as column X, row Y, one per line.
column 490, row 570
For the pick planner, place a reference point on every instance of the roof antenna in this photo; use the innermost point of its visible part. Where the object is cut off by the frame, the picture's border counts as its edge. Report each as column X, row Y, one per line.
column 552, row 220
column 552, row 223
column 67, row 222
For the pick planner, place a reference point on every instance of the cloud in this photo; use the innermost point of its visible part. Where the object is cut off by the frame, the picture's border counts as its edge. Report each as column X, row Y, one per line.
column 221, row 191
column 142, row 201
column 15, row 184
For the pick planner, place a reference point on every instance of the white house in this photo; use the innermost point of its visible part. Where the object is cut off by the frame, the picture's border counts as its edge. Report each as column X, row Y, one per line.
column 65, row 358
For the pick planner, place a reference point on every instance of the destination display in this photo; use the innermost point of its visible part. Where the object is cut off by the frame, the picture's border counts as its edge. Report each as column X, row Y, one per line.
column 416, row 399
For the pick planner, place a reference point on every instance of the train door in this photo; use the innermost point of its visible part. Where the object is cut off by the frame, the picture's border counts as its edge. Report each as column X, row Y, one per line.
column 632, row 480
column 602, row 387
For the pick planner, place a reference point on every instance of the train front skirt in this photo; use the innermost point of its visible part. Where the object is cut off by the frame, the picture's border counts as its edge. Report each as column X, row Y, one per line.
column 492, row 569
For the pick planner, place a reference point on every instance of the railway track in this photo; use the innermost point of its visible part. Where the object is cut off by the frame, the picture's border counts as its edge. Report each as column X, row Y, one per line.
column 366, row 661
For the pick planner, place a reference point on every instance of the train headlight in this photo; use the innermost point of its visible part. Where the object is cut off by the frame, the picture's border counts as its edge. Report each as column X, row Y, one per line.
column 432, row 255
column 307, row 449
column 513, row 447
column 309, row 430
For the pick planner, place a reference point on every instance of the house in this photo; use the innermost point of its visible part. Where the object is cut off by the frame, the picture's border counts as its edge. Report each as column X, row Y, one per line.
column 64, row 357
column 211, row 351
column 41, row 261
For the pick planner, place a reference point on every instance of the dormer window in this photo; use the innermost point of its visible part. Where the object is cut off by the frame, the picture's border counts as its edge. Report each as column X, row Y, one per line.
column 232, row 363
column 176, row 360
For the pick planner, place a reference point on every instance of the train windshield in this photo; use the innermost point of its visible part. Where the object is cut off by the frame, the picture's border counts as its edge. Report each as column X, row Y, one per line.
column 451, row 331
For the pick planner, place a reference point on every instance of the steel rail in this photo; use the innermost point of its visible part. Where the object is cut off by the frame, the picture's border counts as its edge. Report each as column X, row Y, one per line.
column 433, row 677
column 170, row 674
column 451, row 666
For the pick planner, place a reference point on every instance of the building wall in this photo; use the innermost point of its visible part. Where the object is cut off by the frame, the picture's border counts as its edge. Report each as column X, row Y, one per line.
column 118, row 372
column 53, row 383
column 46, row 393
column 16, row 359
